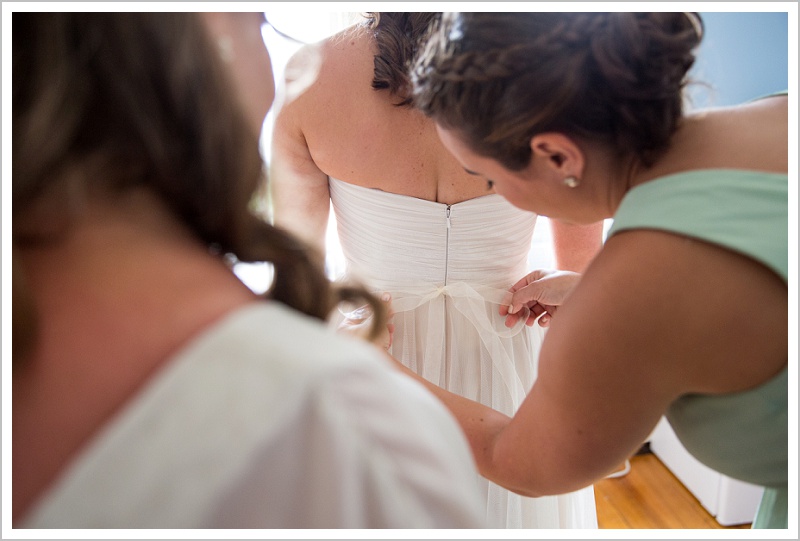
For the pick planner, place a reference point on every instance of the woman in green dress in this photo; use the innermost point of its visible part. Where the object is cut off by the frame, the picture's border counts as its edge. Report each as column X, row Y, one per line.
column 684, row 313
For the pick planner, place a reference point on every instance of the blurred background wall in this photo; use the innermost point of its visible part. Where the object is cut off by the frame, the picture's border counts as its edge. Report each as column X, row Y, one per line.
column 743, row 56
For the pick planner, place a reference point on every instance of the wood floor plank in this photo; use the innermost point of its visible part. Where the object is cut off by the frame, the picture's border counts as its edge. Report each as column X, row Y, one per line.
column 650, row 496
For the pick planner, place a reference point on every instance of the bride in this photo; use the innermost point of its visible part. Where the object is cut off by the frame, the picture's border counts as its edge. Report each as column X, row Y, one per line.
column 412, row 222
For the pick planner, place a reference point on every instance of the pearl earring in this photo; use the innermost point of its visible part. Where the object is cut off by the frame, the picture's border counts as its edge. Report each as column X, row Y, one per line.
column 571, row 181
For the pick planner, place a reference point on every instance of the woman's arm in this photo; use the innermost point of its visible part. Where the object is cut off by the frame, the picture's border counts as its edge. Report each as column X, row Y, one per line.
column 299, row 191
column 654, row 317
column 587, row 411
column 575, row 245
column 590, row 408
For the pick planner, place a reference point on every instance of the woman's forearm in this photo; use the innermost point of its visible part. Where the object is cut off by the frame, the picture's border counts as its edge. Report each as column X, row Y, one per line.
column 481, row 424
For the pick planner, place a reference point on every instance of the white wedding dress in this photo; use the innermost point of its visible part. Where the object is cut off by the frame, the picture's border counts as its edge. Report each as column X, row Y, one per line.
column 448, row 268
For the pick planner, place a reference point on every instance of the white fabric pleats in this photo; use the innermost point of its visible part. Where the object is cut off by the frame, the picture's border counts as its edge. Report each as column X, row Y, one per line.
column 448, row 269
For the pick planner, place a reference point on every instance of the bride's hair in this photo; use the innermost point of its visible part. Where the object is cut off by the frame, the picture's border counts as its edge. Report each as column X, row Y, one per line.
column 108, row 102
column 501, row 78
column 398, row 37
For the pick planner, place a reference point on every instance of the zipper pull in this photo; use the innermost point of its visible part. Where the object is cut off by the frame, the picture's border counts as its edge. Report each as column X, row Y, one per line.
column 447, row 215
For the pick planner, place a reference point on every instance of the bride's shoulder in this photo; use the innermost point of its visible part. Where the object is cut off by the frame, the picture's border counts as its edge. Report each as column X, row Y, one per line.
column 341, row 61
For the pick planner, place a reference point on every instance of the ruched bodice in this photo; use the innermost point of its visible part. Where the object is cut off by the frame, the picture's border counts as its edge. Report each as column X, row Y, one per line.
column 481, row 241
column 448, row 269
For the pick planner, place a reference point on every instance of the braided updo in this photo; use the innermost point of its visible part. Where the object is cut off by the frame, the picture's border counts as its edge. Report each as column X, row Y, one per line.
column 501, row 78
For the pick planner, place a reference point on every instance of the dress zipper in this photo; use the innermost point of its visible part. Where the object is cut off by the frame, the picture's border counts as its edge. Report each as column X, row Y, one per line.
column 447, row 244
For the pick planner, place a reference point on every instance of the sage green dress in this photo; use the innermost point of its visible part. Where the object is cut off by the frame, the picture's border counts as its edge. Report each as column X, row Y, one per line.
column 743, row 435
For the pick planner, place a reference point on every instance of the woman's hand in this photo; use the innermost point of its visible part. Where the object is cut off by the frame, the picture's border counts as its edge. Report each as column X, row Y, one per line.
column 358, row 323
column 541, row 292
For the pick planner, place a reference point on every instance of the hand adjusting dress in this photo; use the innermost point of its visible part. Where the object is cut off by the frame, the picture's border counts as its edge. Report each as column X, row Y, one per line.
column 448, row 268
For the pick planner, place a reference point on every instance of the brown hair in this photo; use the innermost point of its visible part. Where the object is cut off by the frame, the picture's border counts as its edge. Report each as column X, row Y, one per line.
column 398, row 37
column 142, row 100
column 500, row 78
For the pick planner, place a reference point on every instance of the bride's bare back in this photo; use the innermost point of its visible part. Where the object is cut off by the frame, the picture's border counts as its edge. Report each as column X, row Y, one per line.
column 358, row 135
column 340, row 127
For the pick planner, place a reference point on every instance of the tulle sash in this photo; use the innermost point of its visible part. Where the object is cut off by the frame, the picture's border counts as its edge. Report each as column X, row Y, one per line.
column 479, row 305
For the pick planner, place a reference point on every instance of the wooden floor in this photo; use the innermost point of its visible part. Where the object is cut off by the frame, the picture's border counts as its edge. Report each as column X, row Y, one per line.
column 650, row 496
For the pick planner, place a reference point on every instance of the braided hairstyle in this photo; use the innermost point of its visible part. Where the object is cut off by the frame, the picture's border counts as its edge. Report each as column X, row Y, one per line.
column 500, row 78
column 398, row 37
column 109, row 102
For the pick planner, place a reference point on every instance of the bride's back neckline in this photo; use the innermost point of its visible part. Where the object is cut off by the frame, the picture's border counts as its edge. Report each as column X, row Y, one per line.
column 359, row 135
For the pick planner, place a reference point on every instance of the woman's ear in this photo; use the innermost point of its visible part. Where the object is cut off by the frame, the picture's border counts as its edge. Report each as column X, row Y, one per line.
column 558, row 153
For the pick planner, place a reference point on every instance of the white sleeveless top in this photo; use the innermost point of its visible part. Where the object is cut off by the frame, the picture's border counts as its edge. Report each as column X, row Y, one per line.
column 448, row 269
